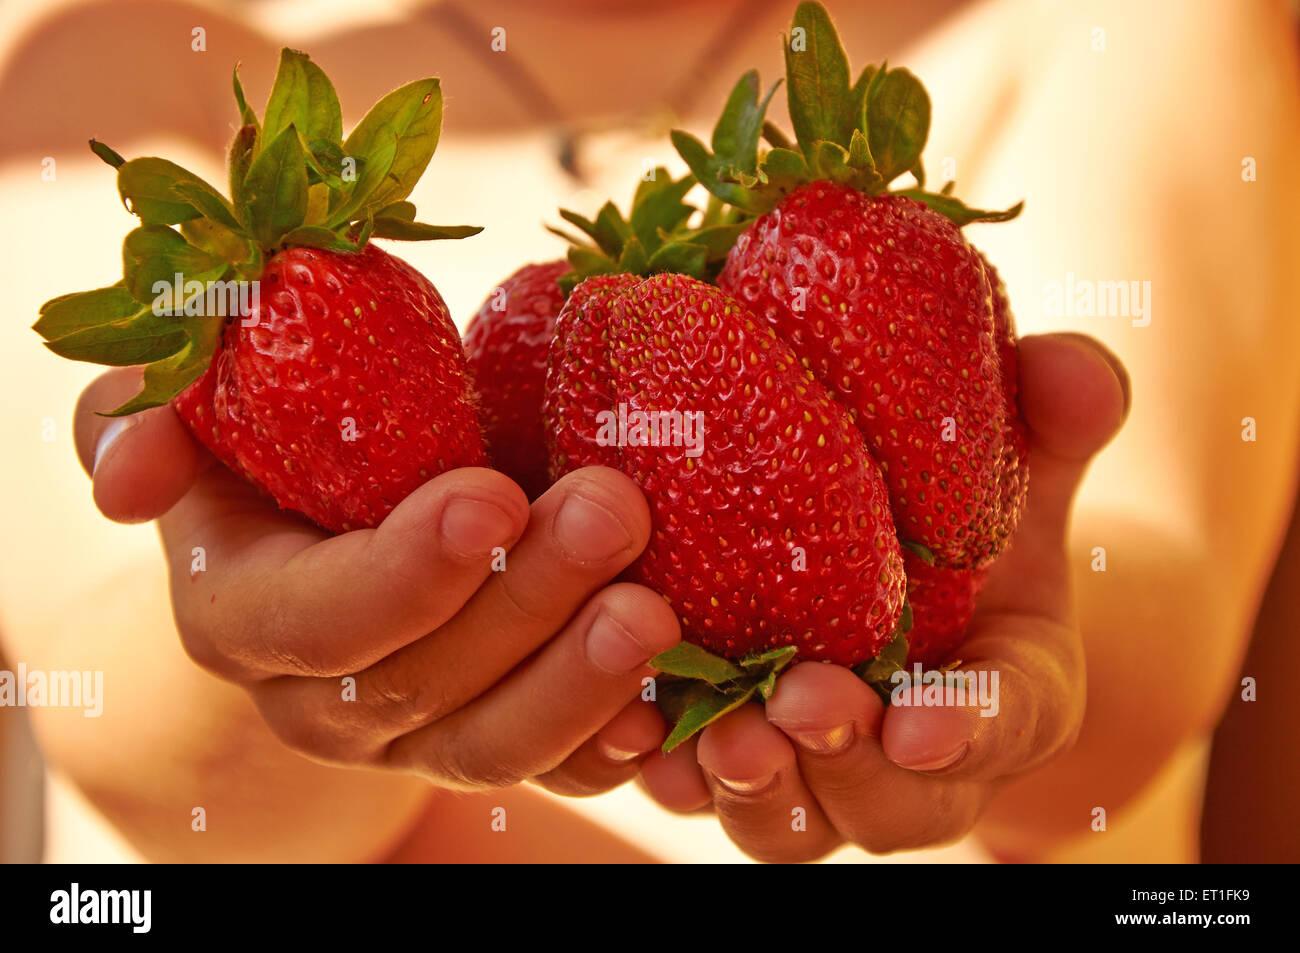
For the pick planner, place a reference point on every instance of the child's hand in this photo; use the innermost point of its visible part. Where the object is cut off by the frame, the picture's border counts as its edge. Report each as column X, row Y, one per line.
column 400, row 646
column 897, row 778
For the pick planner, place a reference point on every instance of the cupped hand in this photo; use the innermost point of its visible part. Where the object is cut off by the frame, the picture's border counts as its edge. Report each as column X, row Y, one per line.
column 827, row 762
column 407, row 646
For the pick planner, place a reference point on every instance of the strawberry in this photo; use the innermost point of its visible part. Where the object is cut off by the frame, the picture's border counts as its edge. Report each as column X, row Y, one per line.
column 507, row 343
column 771, row 521
column 890, row 308
column 324, row 370
column 878, row 292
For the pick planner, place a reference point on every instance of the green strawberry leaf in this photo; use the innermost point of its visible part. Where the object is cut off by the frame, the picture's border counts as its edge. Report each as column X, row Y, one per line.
column 817, row 80
column 155, row 254
column 587, row 261
column 87, row 309
column 634, row 260
column 142, row 338
column 954, row 209
column 243, row 149
column 276, row 189
column 683, row 258
column 855, row 117
column 218, row 241
column 735, row 137
column 711, row 706
column 148, row 189
column 166, row 378
column 609, row 231
column 898, row 121
column 210, row 203
column 107, row 154
column 718, row 239
column 411, row 114
column 702, row 687
column 303, row 97
column 772, row 659
column 374, row 170
column 313, row 236
column 919, row 549
column 659, row 207
column 402, row 230
column 688, row 660
column 246, row 115
column 892, row 658
column 735, row 143
column 402, row 210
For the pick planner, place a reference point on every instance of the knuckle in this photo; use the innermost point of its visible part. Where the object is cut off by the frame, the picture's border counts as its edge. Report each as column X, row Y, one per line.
column 395, row 701
column 520, row 603
column 460, row 763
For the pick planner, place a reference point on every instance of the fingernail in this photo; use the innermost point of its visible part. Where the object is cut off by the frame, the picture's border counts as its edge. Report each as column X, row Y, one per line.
column 746, row 787
column 588, row 531
column 613, row 649
column 830, row 741
column 114, row 430
column 939, row 763
column 474, row 528
column 612, row 752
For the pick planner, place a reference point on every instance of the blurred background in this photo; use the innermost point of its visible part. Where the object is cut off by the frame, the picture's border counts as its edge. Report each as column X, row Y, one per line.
column 1065, row 104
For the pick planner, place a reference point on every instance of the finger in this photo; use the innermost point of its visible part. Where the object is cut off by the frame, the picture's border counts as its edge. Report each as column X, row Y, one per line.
column 760, row 797
column 545, row 710
column 676, row 780
column 834, row 721
column 583, row 532
column 1022, row 701
column 1073, row 396
column 141, row 464
column 279, row 597
column 613, row 756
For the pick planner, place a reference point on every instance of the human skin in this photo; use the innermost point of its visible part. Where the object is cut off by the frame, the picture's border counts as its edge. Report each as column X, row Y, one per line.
column 1190, row 515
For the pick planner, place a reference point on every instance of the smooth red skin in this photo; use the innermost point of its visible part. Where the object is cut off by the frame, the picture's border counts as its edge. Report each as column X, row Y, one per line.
column 942, row 601
column 273, row 402
column 725, row 526
column 506, row 344
column 898, row 324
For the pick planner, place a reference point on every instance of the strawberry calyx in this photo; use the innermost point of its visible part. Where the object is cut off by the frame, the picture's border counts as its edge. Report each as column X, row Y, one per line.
column 293, row 181
column 655, row 237
column 695, row 687
column 863, row 135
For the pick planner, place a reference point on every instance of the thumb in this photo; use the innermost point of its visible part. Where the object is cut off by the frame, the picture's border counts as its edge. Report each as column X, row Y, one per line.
column 1074, row 397
column 140, row 464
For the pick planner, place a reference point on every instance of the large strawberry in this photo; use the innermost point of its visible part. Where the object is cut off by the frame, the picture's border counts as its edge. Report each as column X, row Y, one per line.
column 324, row 370
column 880, row 295
column 772, row 534
column 508, row 340
column 877, row 292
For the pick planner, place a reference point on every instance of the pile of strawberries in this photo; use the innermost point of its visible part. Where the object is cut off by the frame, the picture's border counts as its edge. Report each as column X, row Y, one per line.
column 813, row 379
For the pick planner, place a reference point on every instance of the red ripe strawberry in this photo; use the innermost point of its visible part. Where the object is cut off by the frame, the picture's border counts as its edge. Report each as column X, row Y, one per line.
column 890, row 308
column 348, row 393
column 324, row 370
column 771, row 521
column 942, row 601
column 507, row 343
column 877, row 292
